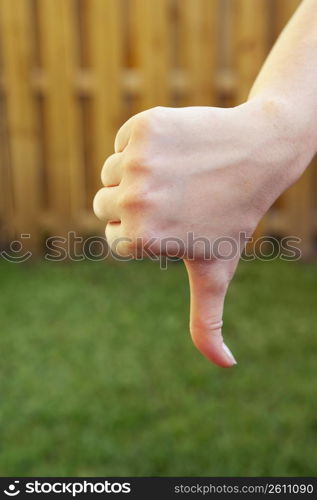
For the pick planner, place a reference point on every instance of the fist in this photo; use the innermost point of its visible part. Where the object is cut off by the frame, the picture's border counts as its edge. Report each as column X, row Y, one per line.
column 193, row 183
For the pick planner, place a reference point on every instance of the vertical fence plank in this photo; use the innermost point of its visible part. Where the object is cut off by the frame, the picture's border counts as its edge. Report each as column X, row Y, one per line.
column 3, row 169
column 226, row 78
column 64, row 162
column 16, row 51
column 198, row 28
column 297, row 204
column 252, row 31
column 251, row 47
column 150, row 21
column 6, row 201
column 106, row 66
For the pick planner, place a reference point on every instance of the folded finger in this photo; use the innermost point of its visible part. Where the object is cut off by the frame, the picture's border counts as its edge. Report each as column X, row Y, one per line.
column 111, row 173
column 118, row 242
column 106, row 204
column 123, row 135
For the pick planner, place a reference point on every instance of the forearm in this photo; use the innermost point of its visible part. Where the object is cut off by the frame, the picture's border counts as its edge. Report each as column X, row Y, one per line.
column 290, row 74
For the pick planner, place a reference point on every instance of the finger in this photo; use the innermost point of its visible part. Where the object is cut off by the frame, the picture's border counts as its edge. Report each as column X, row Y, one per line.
column 118, row 243
column 208, row 287
column 106, row 205
column 123, row 135
column 111, row 174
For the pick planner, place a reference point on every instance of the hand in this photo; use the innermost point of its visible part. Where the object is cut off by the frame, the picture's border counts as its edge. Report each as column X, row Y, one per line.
column 197, row 173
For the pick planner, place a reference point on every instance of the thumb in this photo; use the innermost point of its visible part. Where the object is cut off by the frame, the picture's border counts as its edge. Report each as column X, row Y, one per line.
column 209, row 282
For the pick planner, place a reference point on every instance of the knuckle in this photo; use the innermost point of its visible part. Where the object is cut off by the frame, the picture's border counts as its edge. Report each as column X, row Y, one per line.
column 156, row 112
column 201, row 325
column 136, row 163
column 147, row 120
column 134, row 199
column 142, row 125
column 127, row 200
column 205, row 332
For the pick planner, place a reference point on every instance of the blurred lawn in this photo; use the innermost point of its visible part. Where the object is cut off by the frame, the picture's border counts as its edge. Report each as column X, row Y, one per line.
column 99, row 376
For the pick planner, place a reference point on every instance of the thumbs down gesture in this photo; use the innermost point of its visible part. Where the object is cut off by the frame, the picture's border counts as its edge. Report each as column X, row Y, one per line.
column 193, row 183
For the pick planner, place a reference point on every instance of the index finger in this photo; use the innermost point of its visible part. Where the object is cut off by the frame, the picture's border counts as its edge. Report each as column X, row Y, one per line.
column 123, row 135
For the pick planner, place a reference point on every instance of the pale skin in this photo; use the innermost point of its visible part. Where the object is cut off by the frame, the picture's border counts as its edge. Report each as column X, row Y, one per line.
column 214, row 173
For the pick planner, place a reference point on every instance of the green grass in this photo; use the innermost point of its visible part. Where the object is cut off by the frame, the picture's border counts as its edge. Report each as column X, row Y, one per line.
column 99, row 375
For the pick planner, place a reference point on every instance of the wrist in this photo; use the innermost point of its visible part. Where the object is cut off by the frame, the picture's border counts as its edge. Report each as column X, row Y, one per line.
column 290, row 128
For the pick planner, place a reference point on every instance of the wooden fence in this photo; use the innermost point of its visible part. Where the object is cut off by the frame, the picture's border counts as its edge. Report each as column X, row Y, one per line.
column 72, row 71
